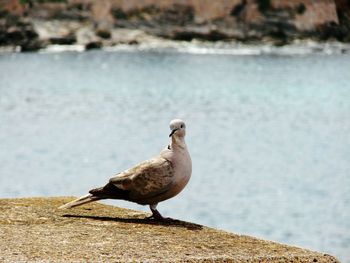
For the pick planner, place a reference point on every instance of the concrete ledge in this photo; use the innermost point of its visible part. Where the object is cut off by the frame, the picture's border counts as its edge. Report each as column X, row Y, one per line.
column 33, row 229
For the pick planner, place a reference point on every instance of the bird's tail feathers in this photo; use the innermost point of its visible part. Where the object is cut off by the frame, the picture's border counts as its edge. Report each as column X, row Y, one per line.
column 80, row 201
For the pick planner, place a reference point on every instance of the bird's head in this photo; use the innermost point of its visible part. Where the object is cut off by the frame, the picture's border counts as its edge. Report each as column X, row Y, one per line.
column 178, row 128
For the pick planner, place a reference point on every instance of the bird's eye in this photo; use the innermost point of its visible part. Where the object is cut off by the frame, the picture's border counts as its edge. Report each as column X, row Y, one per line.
column 182, row 126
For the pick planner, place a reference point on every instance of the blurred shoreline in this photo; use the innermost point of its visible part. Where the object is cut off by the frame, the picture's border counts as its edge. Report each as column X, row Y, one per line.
column 230, row 26
column 304, row 47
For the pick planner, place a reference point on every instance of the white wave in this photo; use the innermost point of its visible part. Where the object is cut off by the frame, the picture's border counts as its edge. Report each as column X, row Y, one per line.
column 218, row 48
column 62, row 48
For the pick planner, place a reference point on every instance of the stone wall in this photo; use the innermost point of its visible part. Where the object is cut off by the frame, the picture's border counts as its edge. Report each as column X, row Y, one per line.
column 35, row 230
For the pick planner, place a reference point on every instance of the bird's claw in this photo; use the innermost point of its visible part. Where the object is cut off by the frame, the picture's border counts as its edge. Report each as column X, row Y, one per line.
column 163, row 219
column 159, row 218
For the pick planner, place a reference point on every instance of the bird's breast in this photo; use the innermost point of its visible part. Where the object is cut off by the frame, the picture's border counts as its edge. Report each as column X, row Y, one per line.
column 183, row 169
column 182, row 165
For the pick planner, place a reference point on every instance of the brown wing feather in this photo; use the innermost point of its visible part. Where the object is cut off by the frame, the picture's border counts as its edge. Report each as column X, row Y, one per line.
column 146, row 179
column 110, row 191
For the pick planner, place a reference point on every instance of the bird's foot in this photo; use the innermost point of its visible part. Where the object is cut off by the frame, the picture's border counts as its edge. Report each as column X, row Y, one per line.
column 163, row 219
column 157, row 216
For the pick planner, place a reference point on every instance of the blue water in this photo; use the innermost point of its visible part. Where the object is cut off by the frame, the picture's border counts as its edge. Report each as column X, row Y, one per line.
column 269, row 135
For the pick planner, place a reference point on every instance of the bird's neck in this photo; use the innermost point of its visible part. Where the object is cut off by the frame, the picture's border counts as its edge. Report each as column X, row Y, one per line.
column 178, row 142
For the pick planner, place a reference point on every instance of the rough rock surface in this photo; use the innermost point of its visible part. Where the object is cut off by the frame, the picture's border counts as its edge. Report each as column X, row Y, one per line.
column 16, row 31
column 34, row 230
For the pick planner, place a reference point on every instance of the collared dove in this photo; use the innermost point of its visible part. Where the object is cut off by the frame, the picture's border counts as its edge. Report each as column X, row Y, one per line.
column 151, row 181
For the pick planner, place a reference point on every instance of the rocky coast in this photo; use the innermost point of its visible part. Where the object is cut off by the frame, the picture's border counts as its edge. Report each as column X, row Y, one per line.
column 29, row 25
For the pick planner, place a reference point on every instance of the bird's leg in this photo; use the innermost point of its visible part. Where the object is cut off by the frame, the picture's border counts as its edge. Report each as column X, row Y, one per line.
column 155, row 214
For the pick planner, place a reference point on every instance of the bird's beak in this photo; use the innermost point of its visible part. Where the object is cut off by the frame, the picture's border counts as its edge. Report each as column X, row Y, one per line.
column 172, row 132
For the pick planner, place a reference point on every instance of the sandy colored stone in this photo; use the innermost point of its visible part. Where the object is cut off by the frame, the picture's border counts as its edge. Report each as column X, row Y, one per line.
column 33, row 229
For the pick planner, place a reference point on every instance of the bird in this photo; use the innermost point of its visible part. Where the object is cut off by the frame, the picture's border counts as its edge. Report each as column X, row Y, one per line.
column 152, row 181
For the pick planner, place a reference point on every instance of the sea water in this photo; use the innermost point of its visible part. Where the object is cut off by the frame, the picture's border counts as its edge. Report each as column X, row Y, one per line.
column 269, row 135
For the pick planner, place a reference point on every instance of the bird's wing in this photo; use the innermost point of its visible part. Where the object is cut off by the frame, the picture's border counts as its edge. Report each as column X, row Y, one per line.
column 146, row 179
